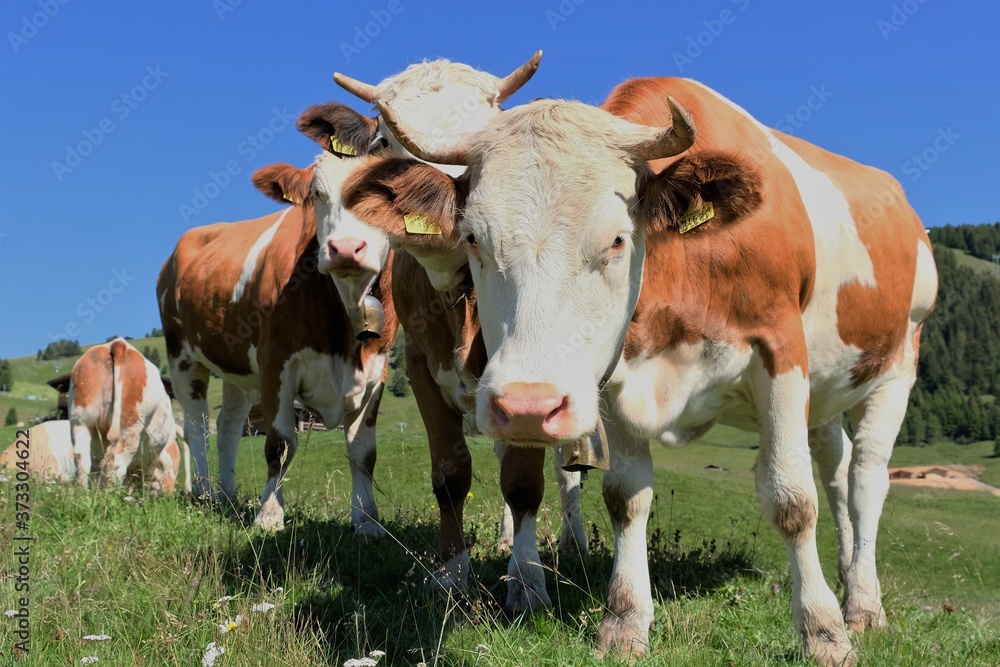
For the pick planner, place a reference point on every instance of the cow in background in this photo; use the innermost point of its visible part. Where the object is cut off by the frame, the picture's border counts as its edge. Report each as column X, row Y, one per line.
column 281, row 309
column 121, row 419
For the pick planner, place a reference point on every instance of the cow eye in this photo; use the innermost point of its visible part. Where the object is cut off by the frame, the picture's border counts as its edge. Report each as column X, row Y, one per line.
column 619, row 242
column 471, row 239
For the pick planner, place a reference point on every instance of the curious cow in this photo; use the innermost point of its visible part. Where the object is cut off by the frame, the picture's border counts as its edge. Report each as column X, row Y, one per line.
column 281, row 309
column 436, row 306
column 746, row 277
column 121, row 420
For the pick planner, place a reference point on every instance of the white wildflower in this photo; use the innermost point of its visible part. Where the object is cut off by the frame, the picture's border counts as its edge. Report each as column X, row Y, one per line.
column 11, row 613
column 218, row 603
column 231, row 624
column 262, row 607
column 212, row 653
column 89, row 660
column 376, row 654
column 482, row 648
column 3, row 479
column 360, row 662
column 128, row 499
column 96, row 638
column 279, row 589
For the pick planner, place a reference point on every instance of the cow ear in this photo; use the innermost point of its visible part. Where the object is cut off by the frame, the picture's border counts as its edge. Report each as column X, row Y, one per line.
column 338, row 129
column 284, row 183
column 702, row 191
column 415, row 204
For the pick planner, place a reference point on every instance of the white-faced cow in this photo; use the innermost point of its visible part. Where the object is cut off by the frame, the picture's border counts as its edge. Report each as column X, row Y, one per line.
column 121, row 420
column 436, row 306
column 746, row 277
column 277, row 308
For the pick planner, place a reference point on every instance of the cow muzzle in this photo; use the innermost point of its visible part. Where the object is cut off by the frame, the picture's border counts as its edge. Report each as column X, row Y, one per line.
column 530, row 413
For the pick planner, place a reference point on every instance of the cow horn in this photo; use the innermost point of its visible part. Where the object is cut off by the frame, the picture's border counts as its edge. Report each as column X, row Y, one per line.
column 435, row 149
column 513, row 81
column 664, row 142
column 365, row 91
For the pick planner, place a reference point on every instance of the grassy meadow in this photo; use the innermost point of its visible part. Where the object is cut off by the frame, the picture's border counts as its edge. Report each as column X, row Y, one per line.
column 149, row 573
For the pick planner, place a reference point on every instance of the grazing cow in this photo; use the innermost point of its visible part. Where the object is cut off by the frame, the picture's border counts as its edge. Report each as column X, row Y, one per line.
column 444, row 350
column 281, row 309
column 118, row 410
column 50, row 453
column 746, row 277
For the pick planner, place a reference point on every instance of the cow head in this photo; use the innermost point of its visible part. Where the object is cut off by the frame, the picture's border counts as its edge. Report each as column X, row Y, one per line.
column 351, row 252
column 445, row 100
column 560, row 199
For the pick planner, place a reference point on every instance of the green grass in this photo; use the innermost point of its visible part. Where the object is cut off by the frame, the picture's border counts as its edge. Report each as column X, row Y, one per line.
column 147, row 571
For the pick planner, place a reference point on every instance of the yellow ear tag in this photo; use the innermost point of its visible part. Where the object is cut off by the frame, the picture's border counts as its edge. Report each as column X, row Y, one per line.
column 290, row 198
column 339, row 146
column 419, row 224
column 695, row 217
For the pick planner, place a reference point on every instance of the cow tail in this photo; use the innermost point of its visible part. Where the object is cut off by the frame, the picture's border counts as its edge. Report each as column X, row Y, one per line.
column 118, row 351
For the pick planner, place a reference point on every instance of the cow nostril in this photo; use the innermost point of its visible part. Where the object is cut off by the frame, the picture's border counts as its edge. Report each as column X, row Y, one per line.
column 333, row 248
column 500, row 415
column 558, row 410
column 360, row 248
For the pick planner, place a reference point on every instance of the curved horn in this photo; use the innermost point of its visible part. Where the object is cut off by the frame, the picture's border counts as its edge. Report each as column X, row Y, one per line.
column 365, row 91
column 664, row 142
column 436, row 149
column 513, row 81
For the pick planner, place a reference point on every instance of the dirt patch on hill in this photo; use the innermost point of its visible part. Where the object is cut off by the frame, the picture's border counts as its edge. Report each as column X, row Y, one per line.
column 962, row 478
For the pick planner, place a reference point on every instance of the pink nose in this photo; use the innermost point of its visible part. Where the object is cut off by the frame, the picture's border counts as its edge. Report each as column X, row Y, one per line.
column 534, row 412
column 346, row 253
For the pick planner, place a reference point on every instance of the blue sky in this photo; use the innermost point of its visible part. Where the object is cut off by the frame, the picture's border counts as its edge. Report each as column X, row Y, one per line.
column 163, row 94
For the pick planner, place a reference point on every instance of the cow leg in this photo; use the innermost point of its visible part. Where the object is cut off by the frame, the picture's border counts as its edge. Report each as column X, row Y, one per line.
column 506, row 542
column 628, row 493
column 831, row 449
column 876, row 423
column 522, row 480
column 229, row 428
column 190, row 380
column 122, row 449
column 359, row 431
column 451, row 470
column 164, row 469
column 572, row 539
column 787, row 495
column 278, row 406
column 82, row 438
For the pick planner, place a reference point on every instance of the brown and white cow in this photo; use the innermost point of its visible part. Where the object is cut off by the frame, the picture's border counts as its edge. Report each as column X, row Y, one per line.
column 746, row 277
column 121, row 420
column 275, row 307
column 444, row 349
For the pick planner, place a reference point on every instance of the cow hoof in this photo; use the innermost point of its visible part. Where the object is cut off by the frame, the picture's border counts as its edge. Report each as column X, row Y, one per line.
column 370, row 531
column 271, row 521
column 526, row 596
column 860, row 618
column 622, row 635
column 451, row 577
column 831, row 648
